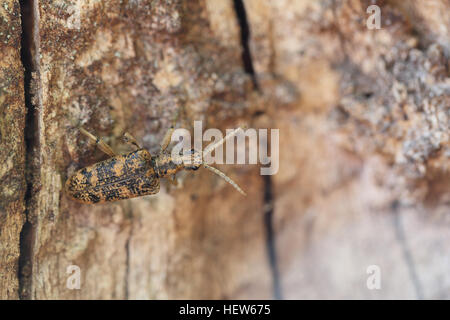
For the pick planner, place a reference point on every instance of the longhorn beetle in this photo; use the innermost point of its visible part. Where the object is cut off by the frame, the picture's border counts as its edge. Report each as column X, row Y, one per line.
column 136, row 173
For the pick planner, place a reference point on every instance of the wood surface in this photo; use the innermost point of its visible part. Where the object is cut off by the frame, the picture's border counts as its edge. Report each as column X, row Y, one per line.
column 363, row 151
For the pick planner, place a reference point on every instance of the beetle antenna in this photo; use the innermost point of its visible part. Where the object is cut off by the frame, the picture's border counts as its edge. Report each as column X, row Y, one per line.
column 225, row 177
column 219, row 143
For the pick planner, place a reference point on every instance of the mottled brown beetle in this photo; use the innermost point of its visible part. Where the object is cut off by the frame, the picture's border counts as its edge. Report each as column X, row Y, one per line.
column 136, row 173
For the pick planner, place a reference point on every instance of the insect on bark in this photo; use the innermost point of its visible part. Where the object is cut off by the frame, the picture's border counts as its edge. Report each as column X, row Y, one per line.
column 137, row 173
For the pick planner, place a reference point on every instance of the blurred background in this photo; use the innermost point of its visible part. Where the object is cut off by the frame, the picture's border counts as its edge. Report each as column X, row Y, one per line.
column 360, row 93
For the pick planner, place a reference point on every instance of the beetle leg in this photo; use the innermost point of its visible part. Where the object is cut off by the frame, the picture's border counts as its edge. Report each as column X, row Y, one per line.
column 131, row 140
column 173, row 183
column 167, row 137
column 100, row 143
column 173, row 180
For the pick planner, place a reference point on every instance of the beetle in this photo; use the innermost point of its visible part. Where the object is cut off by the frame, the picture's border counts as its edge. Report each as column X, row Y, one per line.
column 137, row 173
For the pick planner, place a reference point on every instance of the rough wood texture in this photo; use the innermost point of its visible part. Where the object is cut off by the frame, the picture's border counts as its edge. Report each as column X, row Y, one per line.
column 364, row 153
column 364, row 148
column 130, row 67
column 12, row 148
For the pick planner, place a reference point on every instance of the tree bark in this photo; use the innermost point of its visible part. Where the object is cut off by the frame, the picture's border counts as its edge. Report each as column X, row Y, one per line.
column 12, row 148
column 364, row 148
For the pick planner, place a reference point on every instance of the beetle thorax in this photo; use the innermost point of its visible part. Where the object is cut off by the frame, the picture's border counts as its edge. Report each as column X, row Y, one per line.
column 167, row 165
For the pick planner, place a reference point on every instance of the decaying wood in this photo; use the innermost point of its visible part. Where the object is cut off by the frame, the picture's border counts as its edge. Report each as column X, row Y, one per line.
column 364, row 148
column 12, row 148
column 364, row 153
column 131, row 67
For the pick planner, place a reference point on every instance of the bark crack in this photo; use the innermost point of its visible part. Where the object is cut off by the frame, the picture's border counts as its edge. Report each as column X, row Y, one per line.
column 268, row 211
column 128, row 213
column 27, row 52
column 407, row 256
column 270, row 237
column 245, row 36
column 127, row 267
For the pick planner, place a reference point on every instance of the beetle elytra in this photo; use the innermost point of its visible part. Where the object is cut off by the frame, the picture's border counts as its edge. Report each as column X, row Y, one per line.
column 137, row 173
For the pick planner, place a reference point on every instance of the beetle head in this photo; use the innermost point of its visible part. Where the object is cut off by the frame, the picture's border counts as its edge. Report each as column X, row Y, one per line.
column 192, row 159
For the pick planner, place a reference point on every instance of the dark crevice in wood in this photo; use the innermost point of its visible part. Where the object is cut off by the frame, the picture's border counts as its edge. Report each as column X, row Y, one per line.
column 241, row 14
column 25, row 261
column 26, row 234
column 270, row 236
column 127, row 255
column 268, row 194
column 127, row 267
